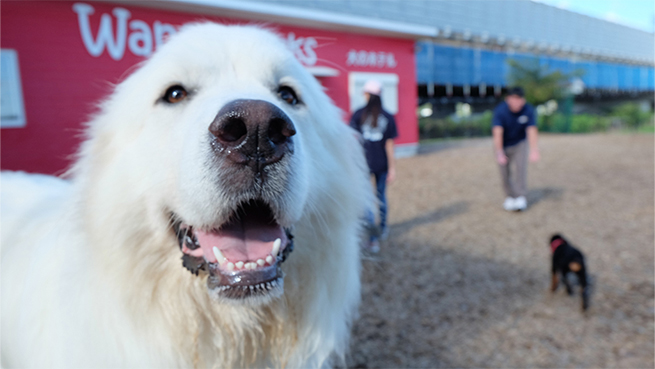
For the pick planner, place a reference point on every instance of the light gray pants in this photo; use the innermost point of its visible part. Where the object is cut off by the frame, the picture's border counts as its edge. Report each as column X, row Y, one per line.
column 515, row 172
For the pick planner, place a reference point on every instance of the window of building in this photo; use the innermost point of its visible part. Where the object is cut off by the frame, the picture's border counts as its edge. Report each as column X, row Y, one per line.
column 389, row 81
column 11, row 98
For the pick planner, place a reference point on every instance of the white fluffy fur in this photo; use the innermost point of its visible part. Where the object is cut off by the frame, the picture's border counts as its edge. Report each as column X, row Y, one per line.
column 91, row 276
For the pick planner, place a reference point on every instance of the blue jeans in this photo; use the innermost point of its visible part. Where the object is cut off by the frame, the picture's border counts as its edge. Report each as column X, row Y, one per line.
column 380, row 186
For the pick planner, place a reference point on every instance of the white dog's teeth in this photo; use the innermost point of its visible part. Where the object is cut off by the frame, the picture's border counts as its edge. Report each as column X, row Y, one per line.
column 230, row 266
column 219, row 256
column 239, row 264
column 276, row 246
column 250, row 265
column 252, row 288
column 268, row 285
column 274, row 283
column 261, row 262
column 269, row 259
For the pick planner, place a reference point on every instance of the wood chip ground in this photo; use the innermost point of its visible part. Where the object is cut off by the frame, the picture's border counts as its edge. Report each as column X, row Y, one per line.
column 462, row 283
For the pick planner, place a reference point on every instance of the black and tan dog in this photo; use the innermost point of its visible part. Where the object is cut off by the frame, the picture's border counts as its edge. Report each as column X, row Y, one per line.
column 567, row 259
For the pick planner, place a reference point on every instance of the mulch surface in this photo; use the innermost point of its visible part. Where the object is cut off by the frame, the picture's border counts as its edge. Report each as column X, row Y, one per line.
column 462, row 283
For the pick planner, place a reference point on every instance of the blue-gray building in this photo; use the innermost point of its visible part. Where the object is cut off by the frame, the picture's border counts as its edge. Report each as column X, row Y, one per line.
column 467, row 43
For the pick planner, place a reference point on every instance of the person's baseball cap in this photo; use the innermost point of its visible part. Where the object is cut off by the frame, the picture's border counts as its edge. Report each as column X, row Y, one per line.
column 516, row 90
column 373, row 87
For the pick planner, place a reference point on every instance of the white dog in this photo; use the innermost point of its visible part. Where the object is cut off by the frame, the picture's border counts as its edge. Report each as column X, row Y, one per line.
column 171, row 246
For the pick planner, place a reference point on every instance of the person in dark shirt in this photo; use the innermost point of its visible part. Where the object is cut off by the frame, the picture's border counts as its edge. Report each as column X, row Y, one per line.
column 378, row 130
column 514, row 120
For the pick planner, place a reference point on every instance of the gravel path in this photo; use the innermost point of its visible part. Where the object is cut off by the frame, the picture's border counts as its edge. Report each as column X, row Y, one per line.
column 462, row 283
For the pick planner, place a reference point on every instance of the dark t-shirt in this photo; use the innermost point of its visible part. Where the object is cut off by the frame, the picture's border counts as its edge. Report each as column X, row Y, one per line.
column 514, row 124
column 375, row 138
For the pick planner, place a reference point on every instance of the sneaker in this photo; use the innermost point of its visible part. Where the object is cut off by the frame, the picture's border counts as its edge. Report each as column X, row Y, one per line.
column 509, row 204
column 373, row 247
column 384, row 234
column 520, row 203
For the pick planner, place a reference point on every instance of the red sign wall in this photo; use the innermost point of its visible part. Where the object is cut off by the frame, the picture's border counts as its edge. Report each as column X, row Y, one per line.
column 70, row 54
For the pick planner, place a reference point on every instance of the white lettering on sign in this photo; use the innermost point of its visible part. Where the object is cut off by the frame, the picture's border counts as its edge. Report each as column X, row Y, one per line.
column 302, row 48
column 162, row 32
column 375, row 59
column 143, row 40
column 139, row 42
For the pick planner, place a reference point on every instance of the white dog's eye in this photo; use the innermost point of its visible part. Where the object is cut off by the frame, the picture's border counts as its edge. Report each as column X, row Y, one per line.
column 287, row 94
column 175, row 94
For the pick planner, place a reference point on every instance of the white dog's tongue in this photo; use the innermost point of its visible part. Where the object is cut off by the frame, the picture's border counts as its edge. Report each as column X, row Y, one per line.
column 247, row 239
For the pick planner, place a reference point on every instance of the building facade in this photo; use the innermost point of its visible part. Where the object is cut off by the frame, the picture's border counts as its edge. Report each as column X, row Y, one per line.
column 475, row 38
column 60, row 58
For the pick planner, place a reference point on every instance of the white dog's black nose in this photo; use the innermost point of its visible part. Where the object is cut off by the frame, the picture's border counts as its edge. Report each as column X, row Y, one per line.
column 252, row 132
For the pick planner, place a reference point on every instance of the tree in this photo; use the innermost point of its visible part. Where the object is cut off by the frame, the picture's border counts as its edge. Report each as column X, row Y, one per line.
column 539, row 82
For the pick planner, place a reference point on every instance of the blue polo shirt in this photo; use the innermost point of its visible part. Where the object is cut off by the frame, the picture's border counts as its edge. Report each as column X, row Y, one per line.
column 514, row 124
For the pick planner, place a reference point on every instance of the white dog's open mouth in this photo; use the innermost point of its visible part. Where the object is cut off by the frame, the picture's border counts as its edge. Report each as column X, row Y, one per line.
column 242, row 256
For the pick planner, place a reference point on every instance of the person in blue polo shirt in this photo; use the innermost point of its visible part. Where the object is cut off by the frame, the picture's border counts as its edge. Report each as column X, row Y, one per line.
column 514, row 123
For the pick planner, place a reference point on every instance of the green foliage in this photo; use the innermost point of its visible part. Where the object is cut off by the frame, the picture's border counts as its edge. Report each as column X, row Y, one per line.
column 555, row 123
column 580, row 123
column 474, row 126
column 585, row 123
column 628, row 115
column 631, row 115
column 646, row 128
column 540, row 83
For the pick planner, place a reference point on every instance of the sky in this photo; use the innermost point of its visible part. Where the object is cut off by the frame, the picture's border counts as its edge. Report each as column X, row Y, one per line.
column 638, row 14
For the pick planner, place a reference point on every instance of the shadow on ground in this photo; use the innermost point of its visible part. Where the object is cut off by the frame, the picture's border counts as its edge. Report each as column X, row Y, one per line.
column 536, row 195
column 436, row 216
column 422, row 313
column 420, row 300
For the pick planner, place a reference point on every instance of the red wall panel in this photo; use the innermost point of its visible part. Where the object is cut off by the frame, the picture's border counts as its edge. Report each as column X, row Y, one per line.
column 62, row 81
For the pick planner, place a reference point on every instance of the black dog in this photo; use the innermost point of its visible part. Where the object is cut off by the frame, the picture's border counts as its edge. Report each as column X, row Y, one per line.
column 567, row 258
